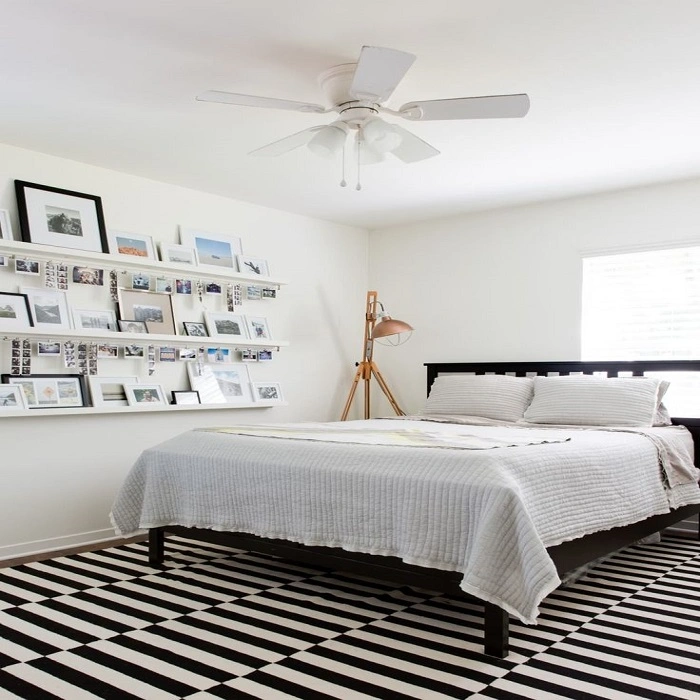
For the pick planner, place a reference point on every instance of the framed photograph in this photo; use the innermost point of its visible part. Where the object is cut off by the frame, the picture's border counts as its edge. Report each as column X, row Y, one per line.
column 213, row 249
column 51, row 390
column 131, row 326
column 27, row 267
column 225, row 324
column 135, row 244
column 183, row 286
column 88, row 275
column 44, row 349
column 195, row 328
column 166, row 354
column 185, row 398
column 178, row 254
column 49, row 308
column 212, row 288
column 224, row 383
column 62, row 218
column 270, row 392
column 155, row 310
column 12, row 398
column 15, row 314
column 164, row 285
column 258, row 328
column 252, row 266
column 109, row 391
column 5, row 226
column 144, row 394
column 141, row 282
column 95, row 319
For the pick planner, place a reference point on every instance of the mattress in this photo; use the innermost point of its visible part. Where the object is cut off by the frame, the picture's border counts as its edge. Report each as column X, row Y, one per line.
column 487, row 512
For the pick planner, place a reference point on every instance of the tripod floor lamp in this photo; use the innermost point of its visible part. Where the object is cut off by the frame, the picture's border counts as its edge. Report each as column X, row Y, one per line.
column 378, row 324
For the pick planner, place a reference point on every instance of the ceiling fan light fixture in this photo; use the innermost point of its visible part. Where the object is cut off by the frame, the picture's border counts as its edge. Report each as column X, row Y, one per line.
column 381, row 136
column 328, row 141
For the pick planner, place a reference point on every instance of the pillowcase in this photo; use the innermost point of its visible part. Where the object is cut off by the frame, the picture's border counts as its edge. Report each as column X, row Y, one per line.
column 495, row 396
column 586, row 400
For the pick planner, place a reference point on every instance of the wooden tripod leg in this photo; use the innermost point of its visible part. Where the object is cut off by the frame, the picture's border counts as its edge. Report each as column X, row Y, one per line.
column 351, row 395
column 385, row 388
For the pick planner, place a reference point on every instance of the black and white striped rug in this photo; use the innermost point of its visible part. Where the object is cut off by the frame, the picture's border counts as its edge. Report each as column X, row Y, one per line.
column 223, row 624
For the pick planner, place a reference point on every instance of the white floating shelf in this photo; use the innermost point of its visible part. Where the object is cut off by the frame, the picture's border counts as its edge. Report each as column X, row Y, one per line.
column 123, row 263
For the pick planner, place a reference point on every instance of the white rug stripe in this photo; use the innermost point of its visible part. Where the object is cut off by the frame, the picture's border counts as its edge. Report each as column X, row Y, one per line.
column 133, row 602
column 29, row 578
column 17, row 651
column 141, row 590
column 520, row 690
column 86, row 607
column 263, row 692
column 39, row 568
column 154, row 664
column 96, row 569
column 599, row 626
column 21, row 593
column 32, row 630
column 50, row 683
column 112, row 677
column 70, row 621
column 196, row 578
column 295, row 604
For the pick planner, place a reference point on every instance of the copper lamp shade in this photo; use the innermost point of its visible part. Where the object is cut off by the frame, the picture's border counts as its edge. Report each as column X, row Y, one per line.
column 391, row 330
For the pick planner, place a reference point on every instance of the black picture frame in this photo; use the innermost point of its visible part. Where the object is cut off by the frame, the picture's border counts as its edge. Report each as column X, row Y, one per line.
column 177, row 395
column 32, row 399
column 188, row 325
column 21, row 324
column 44, row 209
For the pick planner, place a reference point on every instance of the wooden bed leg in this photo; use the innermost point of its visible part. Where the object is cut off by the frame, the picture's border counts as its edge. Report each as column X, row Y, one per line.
column 156, row 546
column 495, row 631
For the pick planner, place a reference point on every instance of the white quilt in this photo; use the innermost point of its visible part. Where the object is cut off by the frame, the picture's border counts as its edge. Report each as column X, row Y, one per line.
column 488, row 513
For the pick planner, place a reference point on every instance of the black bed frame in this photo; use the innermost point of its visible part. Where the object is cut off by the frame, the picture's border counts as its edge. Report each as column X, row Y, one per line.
column 566, row 556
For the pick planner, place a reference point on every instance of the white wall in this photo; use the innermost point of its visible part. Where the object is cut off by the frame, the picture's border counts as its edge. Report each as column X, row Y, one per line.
column 506, row 284
column 59, row 474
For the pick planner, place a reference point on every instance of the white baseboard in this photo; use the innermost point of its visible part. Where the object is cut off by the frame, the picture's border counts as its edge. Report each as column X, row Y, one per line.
column 28, row 549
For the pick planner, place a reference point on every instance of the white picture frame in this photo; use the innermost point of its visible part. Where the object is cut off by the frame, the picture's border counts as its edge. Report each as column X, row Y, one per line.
column 220, row 383
column 95, row 319
column 12, row 398
column 258, row 328
column 145, row 395
column 5, row 226
column 226, row 324
column 248, row 265
column 49, row 308
column 109, row 391
column 178, row 254
column 214, row 250
column 131, row 244
column 267, row 392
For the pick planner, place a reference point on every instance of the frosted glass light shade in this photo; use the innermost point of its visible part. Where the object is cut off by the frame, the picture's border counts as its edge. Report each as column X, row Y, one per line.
column 327, row 141
column 381, row 136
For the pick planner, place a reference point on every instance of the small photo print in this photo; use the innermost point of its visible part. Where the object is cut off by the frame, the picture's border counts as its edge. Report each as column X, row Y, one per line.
column 267, row 392
column 144, row 395
column 269, row 293
column 218, row 355
column 183, row 286
column 253, row 293
column 49, row 349
column 131, row 326
column 166, row 354
column 187, row 354
column 212, row 288
column 264, row 355
column 164, row 285
column 88, row 275
column 140, row 282
column 3, row 261
column 249, row 355
column 253, row 266
column 26, row 267
column 133, row 351
column 107, row 351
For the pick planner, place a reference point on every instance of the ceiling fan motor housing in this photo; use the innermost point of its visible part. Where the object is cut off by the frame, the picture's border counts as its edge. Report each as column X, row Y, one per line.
column 335, row 83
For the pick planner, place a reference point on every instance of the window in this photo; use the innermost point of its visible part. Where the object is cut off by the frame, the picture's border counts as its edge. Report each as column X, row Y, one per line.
column 645, row 305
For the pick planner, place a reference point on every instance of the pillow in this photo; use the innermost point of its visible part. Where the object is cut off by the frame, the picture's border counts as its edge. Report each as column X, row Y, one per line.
column 495, row 396
column 621, row 401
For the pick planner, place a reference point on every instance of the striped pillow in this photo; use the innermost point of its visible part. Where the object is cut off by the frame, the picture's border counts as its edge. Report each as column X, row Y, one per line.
column 495, row 396
column 594, row 401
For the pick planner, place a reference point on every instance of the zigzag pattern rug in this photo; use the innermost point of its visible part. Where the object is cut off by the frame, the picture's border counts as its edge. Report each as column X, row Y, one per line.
column 220, row 623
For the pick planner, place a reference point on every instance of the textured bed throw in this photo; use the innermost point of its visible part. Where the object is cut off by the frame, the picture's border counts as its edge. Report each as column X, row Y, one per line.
column 487, row 513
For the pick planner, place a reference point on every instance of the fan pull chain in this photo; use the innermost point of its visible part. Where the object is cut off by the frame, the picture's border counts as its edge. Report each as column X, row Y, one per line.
column 343, row 183
column 358, row 187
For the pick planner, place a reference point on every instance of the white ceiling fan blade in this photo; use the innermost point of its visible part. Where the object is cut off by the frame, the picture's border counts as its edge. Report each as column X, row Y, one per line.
column 233, row 98
column 492, row 107
column 288, row 143
column 378, row 72
column 412, row 149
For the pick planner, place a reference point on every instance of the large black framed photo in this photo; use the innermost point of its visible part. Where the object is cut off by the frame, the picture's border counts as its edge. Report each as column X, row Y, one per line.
column 51, row 390
column 62, row 218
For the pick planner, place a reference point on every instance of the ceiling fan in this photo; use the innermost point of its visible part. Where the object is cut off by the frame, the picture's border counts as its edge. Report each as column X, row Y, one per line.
column 357, row 91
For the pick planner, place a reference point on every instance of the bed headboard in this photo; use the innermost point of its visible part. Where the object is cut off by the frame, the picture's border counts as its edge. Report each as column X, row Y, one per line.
column 613, row 368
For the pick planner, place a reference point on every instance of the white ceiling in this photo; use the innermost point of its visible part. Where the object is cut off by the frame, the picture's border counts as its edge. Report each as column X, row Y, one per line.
column 614, row 88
